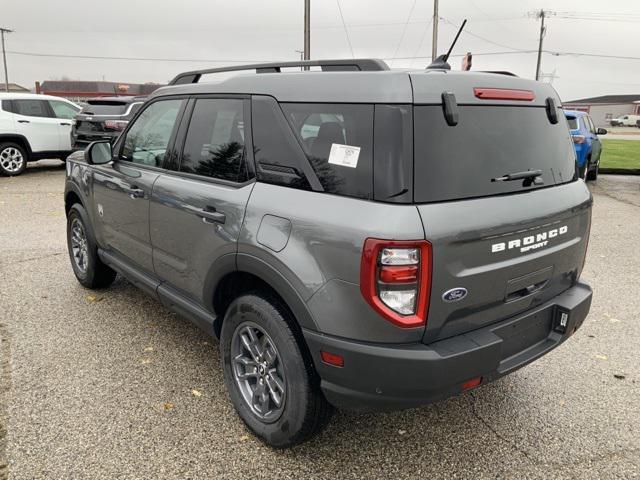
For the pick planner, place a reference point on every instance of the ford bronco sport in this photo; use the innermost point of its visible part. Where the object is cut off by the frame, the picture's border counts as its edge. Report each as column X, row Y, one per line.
column 356, row 237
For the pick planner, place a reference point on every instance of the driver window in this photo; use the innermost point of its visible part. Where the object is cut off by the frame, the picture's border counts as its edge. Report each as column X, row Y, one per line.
column 148, row 138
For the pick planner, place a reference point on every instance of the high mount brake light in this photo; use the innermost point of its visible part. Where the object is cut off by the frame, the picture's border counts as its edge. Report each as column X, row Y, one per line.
column 503, row 94
column 395, row 279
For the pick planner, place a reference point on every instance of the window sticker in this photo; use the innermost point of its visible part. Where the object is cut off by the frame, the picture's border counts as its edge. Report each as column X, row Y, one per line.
column 345, row 155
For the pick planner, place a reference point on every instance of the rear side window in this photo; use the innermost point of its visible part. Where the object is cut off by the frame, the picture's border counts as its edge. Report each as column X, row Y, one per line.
column 31, row 108
column 488, row 142
column 214, row 146
column 63, row 109
column 338, row 142
column 279, row 159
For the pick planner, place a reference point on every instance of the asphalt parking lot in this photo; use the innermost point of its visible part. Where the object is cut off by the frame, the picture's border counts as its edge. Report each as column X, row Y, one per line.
column 111, row 385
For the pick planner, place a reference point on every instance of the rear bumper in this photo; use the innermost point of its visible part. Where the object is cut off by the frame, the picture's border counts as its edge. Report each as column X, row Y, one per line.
column 385, row 377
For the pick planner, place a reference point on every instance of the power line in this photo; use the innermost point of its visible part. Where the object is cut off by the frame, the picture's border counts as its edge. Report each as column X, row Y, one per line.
column 346, row 32
column 424, row 35
column 404, row 29
column 468, row 32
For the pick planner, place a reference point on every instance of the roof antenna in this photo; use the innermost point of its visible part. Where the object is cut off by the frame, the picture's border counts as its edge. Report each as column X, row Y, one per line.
column 440, row 63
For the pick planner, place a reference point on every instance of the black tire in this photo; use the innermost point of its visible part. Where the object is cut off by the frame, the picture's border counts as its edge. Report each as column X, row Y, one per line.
column 13, row 159
column 305, row 411
column 91, row 273
column 582, row 171
column 592, row 175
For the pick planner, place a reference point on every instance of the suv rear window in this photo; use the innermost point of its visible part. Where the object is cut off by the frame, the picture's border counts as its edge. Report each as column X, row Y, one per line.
column 321, row 126
column 105, row 107
column 488, row 142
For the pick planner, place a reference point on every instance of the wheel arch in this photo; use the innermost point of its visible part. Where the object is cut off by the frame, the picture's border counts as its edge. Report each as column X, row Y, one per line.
column 248, row 273
column 19, row 139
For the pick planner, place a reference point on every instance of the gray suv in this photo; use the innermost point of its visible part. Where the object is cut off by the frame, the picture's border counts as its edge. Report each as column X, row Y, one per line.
column 356, row 237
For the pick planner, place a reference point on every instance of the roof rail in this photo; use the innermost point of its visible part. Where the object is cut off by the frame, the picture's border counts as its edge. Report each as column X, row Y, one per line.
column 357, row 64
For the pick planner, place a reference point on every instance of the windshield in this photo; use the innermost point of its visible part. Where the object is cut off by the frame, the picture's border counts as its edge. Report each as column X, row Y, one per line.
column 488, row 142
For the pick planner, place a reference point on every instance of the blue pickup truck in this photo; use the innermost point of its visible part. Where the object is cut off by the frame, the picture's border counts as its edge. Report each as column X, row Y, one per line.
column 586, row 142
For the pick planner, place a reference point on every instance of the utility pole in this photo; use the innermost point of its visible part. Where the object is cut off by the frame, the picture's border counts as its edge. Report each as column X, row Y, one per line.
column 542, row 15
column 542, row 32
column 434, row 41
column 307, row 29
column 4, row 58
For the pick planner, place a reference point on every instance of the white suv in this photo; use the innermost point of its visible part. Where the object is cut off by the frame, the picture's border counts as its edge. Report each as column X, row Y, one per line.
column 33, row 127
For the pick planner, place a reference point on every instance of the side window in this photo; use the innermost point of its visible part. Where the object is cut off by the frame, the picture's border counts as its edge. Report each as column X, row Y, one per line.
column 214, row 146
column 147, row 140
column 63, row 109
column 338, row 141
column 279, row 159
column 31, row 108
column 592, row 127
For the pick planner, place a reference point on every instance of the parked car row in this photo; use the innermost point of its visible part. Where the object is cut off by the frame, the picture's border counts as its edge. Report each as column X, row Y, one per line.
column 626, row 121
column 33, row 127
column 586, row 143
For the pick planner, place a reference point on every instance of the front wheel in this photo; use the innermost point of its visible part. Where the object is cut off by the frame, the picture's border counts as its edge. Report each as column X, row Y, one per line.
column 592, row 175
column 13, row 159
column 83, row 251
column 271, row 382
column 582, row 171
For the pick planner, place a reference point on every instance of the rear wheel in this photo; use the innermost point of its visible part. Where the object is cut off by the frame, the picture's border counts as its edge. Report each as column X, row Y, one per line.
column 271, row 383
column 13, row 159
column 83, row 251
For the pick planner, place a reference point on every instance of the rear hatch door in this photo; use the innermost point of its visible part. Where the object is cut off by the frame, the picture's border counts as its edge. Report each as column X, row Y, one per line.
column 499, row 247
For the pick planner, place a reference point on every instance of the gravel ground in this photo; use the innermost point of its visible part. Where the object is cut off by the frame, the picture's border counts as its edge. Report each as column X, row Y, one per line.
column 101, row 385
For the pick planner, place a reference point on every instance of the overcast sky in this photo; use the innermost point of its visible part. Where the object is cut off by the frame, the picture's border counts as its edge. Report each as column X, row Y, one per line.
column 203, row 33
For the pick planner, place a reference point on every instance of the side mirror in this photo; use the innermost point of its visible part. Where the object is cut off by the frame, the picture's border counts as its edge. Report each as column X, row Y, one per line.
column 601, row 131
column 98, row 153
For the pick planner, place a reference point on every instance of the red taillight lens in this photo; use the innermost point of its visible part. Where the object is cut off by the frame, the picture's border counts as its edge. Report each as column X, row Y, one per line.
column 115, row 124
column 578, row 138
column 407, row 274
column 503, row 94
column 395, row 279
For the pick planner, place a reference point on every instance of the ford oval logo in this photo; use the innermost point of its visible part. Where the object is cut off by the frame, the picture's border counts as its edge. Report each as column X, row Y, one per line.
column 454, row 294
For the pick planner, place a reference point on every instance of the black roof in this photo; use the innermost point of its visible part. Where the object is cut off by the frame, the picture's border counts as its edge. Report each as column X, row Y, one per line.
column 608, row 99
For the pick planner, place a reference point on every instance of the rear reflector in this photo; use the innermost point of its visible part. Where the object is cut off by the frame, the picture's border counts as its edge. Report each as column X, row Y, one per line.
column 503, row 94
column 332, row 359
column 407, row 274
column 469, row 384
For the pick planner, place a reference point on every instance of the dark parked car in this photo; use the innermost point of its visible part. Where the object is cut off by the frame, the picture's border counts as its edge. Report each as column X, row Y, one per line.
column 356, row 237
column 103, row 118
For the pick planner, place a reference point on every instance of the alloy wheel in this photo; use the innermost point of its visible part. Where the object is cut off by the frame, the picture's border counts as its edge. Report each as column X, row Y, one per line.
column 258, row 371
column 79, row 245
column 11, row 159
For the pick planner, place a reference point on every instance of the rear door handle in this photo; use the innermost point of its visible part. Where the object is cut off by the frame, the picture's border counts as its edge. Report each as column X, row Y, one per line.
column 210, row 215
column 134, row 192
column 24, row 121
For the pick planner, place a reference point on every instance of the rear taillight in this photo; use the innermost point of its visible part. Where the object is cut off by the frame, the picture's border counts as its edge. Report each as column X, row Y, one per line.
column 395, row 279
column 578, row 138
column 115, row 124
column 503, row 94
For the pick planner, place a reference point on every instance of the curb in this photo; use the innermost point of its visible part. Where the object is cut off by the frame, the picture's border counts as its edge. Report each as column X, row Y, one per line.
column 620, row 171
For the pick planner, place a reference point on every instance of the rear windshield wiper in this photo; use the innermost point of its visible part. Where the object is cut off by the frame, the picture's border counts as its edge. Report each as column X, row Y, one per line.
column 530, row 176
